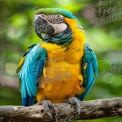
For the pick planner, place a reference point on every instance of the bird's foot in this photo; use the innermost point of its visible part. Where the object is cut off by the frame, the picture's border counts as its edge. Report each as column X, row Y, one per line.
column 47, row 107
column 74, row 102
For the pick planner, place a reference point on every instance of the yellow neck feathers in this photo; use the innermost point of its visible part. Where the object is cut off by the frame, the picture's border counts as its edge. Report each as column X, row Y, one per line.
column 78, row 34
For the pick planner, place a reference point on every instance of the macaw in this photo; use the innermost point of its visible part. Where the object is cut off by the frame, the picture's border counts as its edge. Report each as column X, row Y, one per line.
column 61, row 66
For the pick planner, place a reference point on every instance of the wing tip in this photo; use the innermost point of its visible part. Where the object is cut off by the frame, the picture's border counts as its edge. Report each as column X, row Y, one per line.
column 27, row 101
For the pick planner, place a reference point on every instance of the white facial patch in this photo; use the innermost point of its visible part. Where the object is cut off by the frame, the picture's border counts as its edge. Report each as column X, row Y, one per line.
column 58, row 28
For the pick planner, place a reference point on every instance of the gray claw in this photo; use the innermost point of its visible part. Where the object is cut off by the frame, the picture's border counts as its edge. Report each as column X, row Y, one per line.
column 47, row 106
column 74, row 102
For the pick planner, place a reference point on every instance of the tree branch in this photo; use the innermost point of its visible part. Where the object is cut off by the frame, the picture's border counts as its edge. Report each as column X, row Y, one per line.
column 62, row 112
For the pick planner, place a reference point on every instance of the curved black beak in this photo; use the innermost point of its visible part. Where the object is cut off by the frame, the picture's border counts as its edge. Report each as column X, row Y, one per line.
column 42, row 26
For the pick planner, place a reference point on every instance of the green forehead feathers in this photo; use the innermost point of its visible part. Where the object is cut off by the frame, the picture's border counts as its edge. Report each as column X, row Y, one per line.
column 65, row 13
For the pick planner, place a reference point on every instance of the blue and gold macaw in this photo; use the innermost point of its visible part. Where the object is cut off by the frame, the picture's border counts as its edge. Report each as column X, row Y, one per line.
column 61, row 66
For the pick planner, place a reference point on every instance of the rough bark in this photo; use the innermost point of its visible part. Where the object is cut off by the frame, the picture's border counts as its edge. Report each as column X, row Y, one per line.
column 62, row 112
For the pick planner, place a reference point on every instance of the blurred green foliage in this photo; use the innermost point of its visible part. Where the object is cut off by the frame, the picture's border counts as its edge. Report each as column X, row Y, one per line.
column 103, row 30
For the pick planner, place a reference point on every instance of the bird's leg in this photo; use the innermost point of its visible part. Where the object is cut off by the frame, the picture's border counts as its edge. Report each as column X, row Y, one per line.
column 74, row 102
column 47, row 107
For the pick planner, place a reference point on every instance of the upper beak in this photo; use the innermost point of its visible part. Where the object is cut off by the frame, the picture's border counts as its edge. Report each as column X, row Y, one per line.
column 38, row 25
column 41, row 25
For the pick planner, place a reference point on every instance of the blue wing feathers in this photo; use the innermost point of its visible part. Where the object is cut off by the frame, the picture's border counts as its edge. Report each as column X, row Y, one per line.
column 90, row 72
column 27, row 101
column 95, row 66
column 24, row 92
column 30, row 73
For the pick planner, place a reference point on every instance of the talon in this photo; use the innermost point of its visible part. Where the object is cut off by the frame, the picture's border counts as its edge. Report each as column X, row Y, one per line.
column 47, row 103
column 74, row 102
column 47, row 107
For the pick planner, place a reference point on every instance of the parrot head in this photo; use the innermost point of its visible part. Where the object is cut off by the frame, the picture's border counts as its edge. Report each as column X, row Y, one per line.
column 54, row 25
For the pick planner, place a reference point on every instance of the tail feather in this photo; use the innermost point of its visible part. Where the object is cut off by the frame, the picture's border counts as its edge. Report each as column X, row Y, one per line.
column 27, row 101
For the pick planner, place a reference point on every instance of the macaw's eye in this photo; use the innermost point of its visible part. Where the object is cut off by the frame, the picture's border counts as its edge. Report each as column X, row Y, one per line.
column 59, row 16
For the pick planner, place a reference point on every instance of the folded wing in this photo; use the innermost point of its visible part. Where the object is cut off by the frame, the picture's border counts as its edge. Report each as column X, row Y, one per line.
column 89, row 69
column 29, row 71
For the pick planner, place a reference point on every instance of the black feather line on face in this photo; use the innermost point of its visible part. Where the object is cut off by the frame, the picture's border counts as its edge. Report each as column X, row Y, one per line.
column 63, row 38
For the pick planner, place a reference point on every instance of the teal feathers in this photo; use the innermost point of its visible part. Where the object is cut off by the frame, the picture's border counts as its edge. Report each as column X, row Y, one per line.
column 90, row 70
column 30, row 72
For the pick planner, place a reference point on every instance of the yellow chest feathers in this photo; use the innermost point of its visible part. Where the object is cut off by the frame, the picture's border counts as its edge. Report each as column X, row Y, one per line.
column 56, row 53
